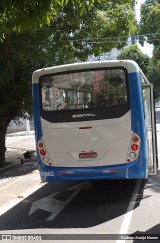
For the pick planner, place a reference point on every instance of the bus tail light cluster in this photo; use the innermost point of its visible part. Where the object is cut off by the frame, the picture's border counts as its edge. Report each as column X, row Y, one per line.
column 134, row 148
column 43, row 153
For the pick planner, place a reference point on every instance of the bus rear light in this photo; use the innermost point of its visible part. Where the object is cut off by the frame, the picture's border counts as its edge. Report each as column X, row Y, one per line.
column 109, row 171
column 132, row 155
column 134, row 147
column 135, row 139
column 42, row 152
column 85, row 127
column 40, row 145
column 63, row 172
column 66, row 172
column 44, row 156
column 45, row 159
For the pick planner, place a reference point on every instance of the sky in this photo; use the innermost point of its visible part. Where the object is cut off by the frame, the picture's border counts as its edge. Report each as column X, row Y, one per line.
column 147, row 48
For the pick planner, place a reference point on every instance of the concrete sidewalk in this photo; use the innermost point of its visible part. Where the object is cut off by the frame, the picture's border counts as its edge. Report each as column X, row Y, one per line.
column 14, row 156
column 23, row 133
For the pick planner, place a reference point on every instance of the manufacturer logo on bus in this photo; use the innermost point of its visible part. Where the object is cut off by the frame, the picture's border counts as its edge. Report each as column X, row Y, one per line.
column 83, row 115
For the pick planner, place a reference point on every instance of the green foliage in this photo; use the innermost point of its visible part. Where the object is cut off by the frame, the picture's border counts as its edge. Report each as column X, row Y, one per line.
column 134, row 53
column 36, row 34
column 153, row 75
column 149, row 28
column 150, row 66
column 25, row 15
column 149, row 24
column 86, row 34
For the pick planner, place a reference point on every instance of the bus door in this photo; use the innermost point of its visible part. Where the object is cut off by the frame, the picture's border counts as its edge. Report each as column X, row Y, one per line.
column 150, row 126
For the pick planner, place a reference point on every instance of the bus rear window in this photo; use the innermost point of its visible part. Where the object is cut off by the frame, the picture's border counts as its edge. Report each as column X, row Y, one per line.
column 84, row 89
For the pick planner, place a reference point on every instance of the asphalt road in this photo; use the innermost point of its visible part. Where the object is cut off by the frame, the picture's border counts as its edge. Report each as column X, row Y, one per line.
column 84, row 208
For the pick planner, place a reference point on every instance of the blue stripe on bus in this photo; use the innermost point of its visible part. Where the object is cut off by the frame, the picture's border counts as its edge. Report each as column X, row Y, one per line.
column 36, row 110
column 54, row 174
column 137, row 116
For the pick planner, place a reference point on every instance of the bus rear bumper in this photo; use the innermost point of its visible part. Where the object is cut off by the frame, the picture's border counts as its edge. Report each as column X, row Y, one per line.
column 123, row 171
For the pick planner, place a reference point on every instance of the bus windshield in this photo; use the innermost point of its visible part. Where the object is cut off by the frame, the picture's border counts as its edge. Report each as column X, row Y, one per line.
column 84, row 89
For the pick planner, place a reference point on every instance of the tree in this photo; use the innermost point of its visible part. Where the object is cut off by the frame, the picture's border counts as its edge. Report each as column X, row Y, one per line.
column 153, row 75
column 149, row 30
column 148, row 65
column 134, row 53
column 72, row 35
column 25, row 15
column 149, row 27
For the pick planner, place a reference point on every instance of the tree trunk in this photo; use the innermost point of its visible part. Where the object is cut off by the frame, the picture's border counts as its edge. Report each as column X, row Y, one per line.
column 3, row 130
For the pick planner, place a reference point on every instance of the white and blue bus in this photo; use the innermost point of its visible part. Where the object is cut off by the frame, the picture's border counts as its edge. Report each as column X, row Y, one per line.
column 94, row 120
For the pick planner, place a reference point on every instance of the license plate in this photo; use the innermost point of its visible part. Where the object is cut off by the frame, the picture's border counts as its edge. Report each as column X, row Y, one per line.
column 88, row 155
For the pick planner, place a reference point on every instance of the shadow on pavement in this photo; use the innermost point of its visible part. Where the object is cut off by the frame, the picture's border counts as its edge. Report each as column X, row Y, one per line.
column 104, row 201
column 154, row 183
column 19, row 169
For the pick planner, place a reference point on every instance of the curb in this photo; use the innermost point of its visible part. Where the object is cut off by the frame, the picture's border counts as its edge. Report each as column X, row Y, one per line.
column 16, row 134
column 18, row 160
column 6, row 167
column 21, row 149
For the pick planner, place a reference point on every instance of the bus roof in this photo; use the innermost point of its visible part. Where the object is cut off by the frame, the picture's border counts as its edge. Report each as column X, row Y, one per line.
column 130, row 65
